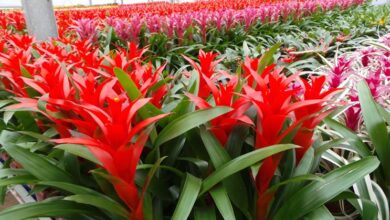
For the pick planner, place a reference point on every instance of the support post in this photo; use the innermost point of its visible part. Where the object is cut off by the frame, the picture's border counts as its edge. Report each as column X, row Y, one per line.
column 40, row 19
column 90, row 2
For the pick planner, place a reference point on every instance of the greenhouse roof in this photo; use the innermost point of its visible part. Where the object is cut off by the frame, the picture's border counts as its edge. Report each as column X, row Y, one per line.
column 17, row 3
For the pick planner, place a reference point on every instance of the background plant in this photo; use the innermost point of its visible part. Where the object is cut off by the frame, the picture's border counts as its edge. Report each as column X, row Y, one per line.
column 104, row 129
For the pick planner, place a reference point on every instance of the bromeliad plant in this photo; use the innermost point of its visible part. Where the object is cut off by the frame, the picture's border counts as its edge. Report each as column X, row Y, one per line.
column 114, row 137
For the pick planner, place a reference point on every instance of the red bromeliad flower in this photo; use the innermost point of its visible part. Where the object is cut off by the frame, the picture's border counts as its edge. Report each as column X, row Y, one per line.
column 281, row 108
column 125, row 59
column 312, row 91
column 145, row 78
column 224, row 96
column 16, row 56
column 206, row 70
column 114, row 139
column 87, row 105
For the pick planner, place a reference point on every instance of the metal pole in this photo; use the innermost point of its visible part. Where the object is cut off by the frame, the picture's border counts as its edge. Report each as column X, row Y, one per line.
column 90, row 2
column 40, row 19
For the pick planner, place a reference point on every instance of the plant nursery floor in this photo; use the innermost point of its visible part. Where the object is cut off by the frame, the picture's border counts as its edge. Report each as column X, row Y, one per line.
column 9, row 201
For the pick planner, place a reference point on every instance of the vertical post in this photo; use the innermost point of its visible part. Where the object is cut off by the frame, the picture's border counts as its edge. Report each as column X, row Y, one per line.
column 40, row 20
column 90, row 2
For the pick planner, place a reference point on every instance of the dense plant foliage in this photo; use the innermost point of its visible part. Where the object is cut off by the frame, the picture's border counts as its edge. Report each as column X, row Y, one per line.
column 231, row 112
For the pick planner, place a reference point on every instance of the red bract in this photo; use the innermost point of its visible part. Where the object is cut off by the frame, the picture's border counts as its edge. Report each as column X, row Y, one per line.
column 3, row 20
column 224, row 96
column 116, row 141
column 313, row 91
column 125, row 59
column 13, row 61
column 281, row 108
column 86, row 103
column 206, row 70
column 143, row 75
column 16, row 21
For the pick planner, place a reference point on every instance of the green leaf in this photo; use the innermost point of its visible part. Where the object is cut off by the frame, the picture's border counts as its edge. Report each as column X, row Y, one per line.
column 35, row 135
column 303, row 168
column 367, row 209
column 188, row 196
column 100, row 202
column 205, row 213
column 133, row 92
column 217, row 153
column 127, row 84
column 27, row 121
column 7, row 116
column 242, row 162
column 332, row 144
column 321, row 213
column 187, row 122
column 202, row 165
column 80, row 151
column 37, row 165
column 245, row 49
column 24, row 179
column 56, row 208
column 219, row 157
column 153, row 171
column 3, row 194
column 370, row 210
column 316, row 194
column 382, row 201
column 385, row 114
column 267, row 58
column 69, row 187
column 12, row 172
column 351, row 137
column 376, row 127
column 296, row 179
column 5, row 103
column 222, row 202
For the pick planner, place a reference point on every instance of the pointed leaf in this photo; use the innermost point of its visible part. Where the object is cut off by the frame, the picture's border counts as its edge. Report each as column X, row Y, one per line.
column 376, row 127
column 188, row 196
column 242, row 162
column 37, row 165
column 80, row 151
column 56, row 208
column 222, row 202
column 187, row 122
column 99, row 202
column 335, row 182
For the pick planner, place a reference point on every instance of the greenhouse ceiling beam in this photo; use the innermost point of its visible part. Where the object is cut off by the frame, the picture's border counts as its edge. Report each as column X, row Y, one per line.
column 40, row 19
